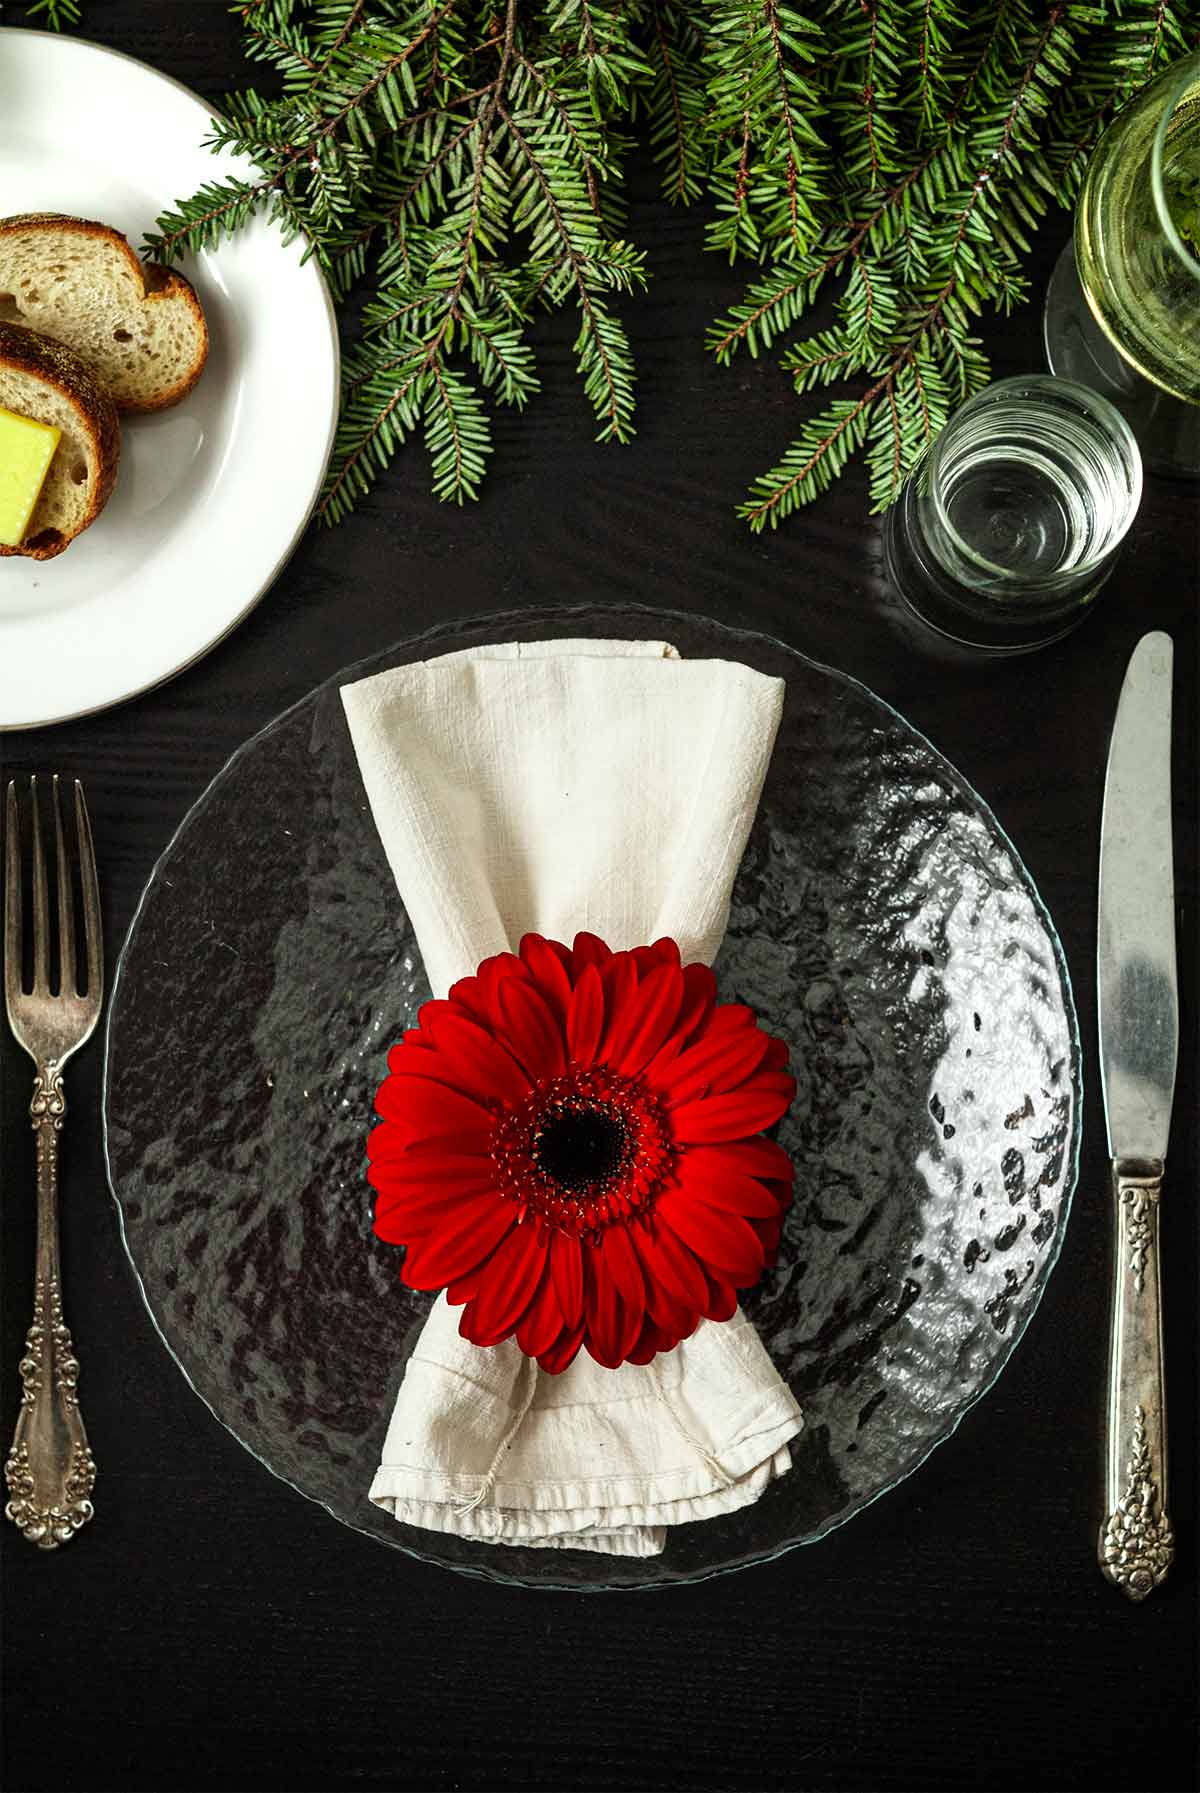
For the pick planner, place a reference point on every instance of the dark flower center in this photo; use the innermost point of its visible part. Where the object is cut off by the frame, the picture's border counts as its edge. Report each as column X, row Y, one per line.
column 585, row 1150
column 580, row 1147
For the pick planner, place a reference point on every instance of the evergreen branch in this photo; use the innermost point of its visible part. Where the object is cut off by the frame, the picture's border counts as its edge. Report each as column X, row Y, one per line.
column 360, row 443
column 345, row 31
column 997, row 156
column 455, row 167
column 597, row 343
column 792, row 160
column 59, row 13
column 680, row 183
column 585, row 155
column 780, row 491
column 222, row 218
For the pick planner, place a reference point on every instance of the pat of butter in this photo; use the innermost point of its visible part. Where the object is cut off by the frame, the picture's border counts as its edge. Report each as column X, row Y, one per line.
column 26, row 451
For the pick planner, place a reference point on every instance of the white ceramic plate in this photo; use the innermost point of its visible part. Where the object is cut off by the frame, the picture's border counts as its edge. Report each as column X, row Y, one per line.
column 212, row 495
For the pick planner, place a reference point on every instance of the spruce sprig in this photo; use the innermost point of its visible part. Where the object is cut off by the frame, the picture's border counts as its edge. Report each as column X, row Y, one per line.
column 458, row 167
column 56, row 15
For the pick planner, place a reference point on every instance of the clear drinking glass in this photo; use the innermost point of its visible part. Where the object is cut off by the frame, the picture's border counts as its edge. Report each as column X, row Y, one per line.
column 1010, row 525
column 1123, row 306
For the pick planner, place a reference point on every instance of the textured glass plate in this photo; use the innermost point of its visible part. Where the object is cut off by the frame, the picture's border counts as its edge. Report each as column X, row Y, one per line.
column 881, row 922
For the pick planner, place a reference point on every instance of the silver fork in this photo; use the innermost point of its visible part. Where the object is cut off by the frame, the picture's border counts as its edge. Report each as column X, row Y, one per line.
column 50, row 1471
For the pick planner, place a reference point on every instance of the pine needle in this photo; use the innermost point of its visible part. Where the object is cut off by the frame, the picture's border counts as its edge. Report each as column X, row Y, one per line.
column 457, row 167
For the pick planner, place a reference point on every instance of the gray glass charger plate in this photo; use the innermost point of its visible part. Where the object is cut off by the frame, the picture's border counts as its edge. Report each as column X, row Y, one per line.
column 881, row 922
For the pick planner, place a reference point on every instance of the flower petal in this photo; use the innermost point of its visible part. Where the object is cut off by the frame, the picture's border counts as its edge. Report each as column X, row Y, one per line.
column 619, row 981
column 722, row 1299
column 470, row 1059
column 736, row 1114
column 392, row 1213
column 531, row 1032
column 566, row 1267
column 624, row 1265
column 470, row 1235
column 611, row 1328
column 548, row 972
column 563, row 1352
column 428, row 1110
column 650, row 1019
column 731, row 1014
column 699, row 1000
column 585, row 1017
column 751, row 1157
column 415, row 1055
column 675, row 1317
column 427, row 1014
column 543, row 1319
column 589, row 949
column 730, row 1190
column 467, row 997
column 650, row 1341
column 770, row 1232
column 724, row 1240
column 412, row 1209
column 466, row 1285
column 432, row 1168
column 666, row 1257
column 513, row 1273
column 717, row 1062
column 778, row 1054
column 667, row 950
column 493, row 973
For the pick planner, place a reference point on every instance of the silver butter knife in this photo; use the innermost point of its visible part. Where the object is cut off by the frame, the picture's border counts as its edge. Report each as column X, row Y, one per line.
column 1139, row 1038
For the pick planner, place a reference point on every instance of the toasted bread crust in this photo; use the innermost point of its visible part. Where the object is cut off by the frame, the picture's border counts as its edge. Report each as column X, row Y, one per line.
column 47, row 360
column 157, row 283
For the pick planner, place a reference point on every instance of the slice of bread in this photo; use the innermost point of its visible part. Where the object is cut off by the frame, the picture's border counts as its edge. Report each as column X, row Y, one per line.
column 45, row 380
column 139, row 327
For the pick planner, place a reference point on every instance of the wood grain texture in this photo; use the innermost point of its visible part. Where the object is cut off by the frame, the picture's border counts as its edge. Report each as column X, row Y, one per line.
column 215, row 1630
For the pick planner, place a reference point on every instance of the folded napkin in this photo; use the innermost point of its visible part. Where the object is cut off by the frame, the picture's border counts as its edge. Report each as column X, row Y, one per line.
column 552, row 787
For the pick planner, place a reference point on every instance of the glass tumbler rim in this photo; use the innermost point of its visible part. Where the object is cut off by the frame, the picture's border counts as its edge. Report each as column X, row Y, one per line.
column 1103, row 413
column 1188, row 72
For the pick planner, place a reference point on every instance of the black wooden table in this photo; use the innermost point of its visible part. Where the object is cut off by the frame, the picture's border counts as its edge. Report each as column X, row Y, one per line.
column 211, row 1628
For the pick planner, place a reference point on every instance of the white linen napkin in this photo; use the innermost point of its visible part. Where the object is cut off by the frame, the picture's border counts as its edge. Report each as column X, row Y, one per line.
column 551, row 787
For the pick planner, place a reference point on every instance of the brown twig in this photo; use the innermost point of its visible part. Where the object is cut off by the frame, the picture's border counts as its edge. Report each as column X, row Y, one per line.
column 487, row 118
column 928, row 321
column 897, row 440
column 588, row 170
column 793, row 160
column 868, row 92
column 996, row 158
column 817, row 361
column 669, row 72
column 355, row 14
column 446, row 401
column 307, row 150
column 572, row 257
column 920, row 385
column 352, row 460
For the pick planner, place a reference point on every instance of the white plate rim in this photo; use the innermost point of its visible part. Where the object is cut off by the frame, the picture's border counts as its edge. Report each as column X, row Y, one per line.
column 256, row 597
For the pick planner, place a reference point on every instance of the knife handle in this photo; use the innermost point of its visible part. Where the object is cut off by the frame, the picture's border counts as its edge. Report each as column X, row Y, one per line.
column 1136, row 1543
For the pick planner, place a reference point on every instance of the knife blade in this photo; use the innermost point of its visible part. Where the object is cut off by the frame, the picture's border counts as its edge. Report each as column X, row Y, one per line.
column 1138, row 1004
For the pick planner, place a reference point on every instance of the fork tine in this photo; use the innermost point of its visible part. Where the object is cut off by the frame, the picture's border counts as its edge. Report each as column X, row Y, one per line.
column 12, row 899
column 41, row 902
column 66, row 905
column 91, row 900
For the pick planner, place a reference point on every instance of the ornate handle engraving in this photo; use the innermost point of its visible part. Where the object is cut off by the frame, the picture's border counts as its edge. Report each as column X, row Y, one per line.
column 1136, row 1542
column 50, row 1472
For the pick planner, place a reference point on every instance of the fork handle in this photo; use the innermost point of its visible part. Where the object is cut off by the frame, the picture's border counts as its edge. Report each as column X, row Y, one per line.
column 1136, row 1543
column 50, row 1471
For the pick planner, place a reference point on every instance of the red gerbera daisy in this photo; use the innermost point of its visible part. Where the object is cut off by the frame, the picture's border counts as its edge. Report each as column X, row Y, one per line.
column 570, row 1148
